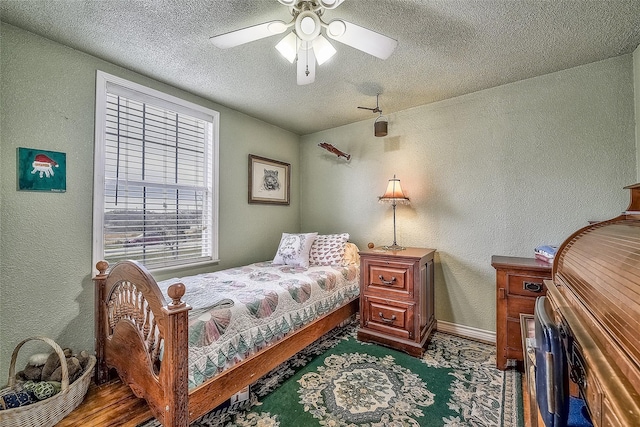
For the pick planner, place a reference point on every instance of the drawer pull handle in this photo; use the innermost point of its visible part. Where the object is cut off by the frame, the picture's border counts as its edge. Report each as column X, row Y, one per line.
column 393, row 318
column 532, row 286
column 576, row 374
column 387, row 282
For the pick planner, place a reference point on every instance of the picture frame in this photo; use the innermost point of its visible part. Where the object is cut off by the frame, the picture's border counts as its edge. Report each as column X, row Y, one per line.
column 41, row 170
column 269, row 181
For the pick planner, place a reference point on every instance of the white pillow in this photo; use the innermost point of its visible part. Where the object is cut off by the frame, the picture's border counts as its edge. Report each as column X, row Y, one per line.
column 294, row 249
column 328, row 249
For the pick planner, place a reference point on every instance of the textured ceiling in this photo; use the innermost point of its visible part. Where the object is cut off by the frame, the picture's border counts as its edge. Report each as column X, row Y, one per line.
column 446, row 48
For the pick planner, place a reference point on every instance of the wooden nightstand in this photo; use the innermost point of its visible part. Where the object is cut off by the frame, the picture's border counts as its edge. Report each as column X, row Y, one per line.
column 396, row 298
column 519, row 281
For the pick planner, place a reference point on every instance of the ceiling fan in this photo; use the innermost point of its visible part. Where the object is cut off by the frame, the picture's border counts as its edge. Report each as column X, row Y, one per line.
column 305, row 43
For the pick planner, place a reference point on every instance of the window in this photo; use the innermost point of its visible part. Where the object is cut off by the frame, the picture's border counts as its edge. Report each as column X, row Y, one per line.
column 156, row 174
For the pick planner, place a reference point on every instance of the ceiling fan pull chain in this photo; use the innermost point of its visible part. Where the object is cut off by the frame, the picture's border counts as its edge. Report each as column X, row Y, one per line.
column 307, row 54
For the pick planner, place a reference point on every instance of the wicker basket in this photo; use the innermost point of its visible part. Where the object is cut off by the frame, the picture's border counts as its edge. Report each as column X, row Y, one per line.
column 47, row 412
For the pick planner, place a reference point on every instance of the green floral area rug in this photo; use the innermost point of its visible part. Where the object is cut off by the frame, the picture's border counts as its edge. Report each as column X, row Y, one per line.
column 341, row 382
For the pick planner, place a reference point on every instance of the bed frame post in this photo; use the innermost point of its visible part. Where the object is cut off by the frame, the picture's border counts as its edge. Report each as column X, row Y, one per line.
column 102, row 371
column 175, row 367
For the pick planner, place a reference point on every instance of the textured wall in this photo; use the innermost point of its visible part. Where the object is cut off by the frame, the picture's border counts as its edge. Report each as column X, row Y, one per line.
column 48, row 96
column 495, row 172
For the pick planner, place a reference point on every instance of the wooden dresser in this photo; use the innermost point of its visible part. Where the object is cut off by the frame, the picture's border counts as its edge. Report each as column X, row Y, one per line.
column 519, row 281
column 397, row 298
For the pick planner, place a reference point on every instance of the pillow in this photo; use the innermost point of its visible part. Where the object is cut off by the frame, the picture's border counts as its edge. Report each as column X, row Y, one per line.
column 351, row 255
column 294, row 249
column 328, row 249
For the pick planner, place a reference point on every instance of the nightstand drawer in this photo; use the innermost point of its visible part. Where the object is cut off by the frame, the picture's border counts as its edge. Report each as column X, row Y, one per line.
column 528, row 286
column 388, row 316
column 389, row 277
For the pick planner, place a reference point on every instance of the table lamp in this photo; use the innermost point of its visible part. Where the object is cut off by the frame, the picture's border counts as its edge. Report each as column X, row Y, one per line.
column 394, row 195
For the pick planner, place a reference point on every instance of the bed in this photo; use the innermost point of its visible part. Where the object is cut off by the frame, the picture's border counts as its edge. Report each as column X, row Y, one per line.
column 187, row 345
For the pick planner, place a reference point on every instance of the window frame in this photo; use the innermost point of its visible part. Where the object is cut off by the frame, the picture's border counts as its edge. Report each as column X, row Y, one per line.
column 158, row 99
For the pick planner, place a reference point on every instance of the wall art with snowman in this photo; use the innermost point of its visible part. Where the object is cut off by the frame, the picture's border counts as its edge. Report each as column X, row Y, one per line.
column 41, row 170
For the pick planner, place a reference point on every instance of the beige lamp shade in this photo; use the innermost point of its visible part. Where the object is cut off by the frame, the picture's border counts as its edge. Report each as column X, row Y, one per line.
column 394, row 193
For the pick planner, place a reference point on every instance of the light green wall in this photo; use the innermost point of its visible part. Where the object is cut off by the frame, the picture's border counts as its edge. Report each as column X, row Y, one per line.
column 498, row 171
column 47, row 97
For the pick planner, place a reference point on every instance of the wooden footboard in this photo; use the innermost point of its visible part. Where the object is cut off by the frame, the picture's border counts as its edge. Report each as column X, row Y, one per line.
column 133, row 325
column 134, row 322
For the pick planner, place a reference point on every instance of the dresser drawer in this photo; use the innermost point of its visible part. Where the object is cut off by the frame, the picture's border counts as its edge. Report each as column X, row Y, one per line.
column 526, row 285
column 388, row 316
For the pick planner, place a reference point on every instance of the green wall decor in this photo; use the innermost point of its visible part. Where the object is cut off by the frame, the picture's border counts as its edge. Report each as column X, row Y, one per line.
column 41, row 170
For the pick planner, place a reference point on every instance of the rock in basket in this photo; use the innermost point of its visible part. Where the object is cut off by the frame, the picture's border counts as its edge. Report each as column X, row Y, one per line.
column 50, row 411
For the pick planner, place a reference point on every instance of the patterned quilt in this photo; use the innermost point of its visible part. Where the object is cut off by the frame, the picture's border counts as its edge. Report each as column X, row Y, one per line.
column 238, row 311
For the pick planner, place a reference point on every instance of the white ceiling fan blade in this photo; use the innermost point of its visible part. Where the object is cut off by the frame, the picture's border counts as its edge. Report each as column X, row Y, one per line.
column 306, row 67
column 249, row 34
column 361, row 38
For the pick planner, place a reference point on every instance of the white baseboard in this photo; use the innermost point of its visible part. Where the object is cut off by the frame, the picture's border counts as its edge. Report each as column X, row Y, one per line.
column 466, row 332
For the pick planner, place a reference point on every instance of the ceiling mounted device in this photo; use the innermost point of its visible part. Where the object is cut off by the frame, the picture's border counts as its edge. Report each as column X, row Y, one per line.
column 305, row 43
column 380, row 125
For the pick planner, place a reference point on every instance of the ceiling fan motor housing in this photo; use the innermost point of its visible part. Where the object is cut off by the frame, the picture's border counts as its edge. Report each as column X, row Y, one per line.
column 307, row 25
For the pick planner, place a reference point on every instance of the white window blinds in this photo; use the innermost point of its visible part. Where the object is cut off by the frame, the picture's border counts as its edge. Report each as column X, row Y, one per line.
column 158, row 181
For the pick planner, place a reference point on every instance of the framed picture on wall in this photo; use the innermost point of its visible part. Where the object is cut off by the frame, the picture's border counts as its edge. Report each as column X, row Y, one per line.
column 269, row 181
column 41, row 170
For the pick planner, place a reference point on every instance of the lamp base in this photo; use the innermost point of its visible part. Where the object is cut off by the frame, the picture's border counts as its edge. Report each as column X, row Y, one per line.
column 394, row 247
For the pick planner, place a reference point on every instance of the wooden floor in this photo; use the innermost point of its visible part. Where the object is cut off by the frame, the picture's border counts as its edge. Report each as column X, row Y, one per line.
column 111, row 404
column 525, row 398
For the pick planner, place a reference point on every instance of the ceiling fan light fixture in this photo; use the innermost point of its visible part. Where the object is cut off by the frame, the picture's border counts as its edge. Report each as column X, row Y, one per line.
column 323, row 50
column 288, row 47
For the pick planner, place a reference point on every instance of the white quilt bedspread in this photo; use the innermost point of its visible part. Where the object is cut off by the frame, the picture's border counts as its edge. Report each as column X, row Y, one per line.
column 238, row 311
